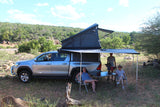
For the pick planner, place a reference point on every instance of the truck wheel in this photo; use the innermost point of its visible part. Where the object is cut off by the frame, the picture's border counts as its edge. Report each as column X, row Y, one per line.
column 75, row 78
column 24, row 76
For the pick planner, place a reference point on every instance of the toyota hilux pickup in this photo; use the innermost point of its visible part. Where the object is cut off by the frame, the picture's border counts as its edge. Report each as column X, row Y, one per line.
column 57, row 64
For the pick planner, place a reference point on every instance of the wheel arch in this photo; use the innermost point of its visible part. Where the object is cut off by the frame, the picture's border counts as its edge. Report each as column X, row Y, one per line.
column 24, row 67
column 76, row 69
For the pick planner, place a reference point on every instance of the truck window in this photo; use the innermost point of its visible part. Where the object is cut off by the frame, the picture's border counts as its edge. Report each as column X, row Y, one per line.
column 45, row 57
column 87, row 57
column 60, row 56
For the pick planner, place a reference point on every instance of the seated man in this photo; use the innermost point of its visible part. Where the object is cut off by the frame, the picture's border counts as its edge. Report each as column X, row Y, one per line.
column 87, row 79
column 120, row 74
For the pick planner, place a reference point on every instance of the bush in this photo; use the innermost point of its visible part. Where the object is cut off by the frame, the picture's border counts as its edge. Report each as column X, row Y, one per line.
column 8, row 47
column 111, row 43
column 34, row 51
column 41, row 45
column 24, row 47
column 2, row 47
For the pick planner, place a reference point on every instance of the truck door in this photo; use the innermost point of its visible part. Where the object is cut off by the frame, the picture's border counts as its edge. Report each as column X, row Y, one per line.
column 60, row 64
column 42, row 65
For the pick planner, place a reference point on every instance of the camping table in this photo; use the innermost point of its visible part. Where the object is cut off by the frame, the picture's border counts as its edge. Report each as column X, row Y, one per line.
column 105, row 74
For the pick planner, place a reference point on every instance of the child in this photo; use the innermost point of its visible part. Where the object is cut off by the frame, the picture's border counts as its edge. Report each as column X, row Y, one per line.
column 120, row 74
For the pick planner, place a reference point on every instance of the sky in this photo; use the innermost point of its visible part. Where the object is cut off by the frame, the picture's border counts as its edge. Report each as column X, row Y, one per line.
column 117, row 15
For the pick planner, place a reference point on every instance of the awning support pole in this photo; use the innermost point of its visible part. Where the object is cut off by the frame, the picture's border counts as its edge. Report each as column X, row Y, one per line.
column 80, row 72
column 133, row 66
column 133, row 62
column 137, row 74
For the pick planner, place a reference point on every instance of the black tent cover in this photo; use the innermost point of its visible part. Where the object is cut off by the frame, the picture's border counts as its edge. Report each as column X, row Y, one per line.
column 86, row 39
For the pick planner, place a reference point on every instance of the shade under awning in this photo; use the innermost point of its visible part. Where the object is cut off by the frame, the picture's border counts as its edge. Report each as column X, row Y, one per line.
column 125, row 51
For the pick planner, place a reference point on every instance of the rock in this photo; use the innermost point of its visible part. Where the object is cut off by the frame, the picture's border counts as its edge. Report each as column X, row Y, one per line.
column 128, row 58
column 156, row 65
column 42, row 99
column 15, row 102
column 5, row 66
column 1, row 68
column 56, row 41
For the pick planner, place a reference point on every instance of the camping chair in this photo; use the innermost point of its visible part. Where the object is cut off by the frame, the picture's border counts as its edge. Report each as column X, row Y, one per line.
column 84, row 84
column 120, row 80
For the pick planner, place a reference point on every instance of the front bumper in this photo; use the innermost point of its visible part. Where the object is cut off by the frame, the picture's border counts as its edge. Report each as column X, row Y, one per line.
column 13, row 70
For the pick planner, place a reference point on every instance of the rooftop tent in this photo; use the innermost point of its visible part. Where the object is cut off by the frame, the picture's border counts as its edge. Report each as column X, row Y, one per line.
column 86, row 39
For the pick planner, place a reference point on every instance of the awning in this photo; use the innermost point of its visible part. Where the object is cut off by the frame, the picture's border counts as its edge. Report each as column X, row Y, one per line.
column 125, row 51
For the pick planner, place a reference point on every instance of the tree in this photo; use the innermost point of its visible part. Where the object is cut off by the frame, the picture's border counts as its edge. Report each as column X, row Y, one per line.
column 126, row 39
column 117, row 42
column 41, row 45
column 47, row 46
column 113, row 43
column 5, row 36
column 106, row 43
column 150, row 38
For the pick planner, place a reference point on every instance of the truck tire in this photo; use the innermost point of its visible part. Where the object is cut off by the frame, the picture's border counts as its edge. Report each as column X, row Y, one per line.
column 24, row 76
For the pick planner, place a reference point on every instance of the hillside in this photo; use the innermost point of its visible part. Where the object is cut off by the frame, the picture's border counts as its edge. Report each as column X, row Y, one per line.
column 15, row 32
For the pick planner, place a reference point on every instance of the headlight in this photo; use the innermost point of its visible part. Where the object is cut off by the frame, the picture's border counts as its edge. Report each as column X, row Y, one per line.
column 16, row 64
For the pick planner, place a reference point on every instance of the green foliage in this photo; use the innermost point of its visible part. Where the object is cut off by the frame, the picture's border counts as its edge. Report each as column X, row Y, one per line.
column 133, row 37
column 34, row 44
column 24, row 47
column 149, row 39
column 47, row 46
column 126, row 39
column 2, row 47
column 117, row 40
column 15, row 32
column 113, row 43
column 5, row 35
column 41, row 45
column 34, row 51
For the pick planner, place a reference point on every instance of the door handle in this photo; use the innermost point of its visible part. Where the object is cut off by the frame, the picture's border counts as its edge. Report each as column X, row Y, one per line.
column 64, row 64
column 48, row 64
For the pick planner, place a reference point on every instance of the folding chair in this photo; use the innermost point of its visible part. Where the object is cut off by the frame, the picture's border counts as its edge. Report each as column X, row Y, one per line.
column 84, row 84
column 121, row 80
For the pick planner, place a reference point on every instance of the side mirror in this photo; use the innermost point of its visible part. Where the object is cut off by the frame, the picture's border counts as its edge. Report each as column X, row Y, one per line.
column 35, row 59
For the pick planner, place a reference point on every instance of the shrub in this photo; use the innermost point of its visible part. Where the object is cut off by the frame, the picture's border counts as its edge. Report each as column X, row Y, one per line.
column 8, row 47
column 2, row 47
column 41, row 45
column 34, row 51
column 24, row 47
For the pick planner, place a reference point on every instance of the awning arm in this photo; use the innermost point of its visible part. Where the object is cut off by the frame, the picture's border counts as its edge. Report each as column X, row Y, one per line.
column 105, row 30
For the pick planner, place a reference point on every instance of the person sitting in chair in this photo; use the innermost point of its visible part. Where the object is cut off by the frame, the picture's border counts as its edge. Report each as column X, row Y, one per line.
column 87, row 79
column 120, row 74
